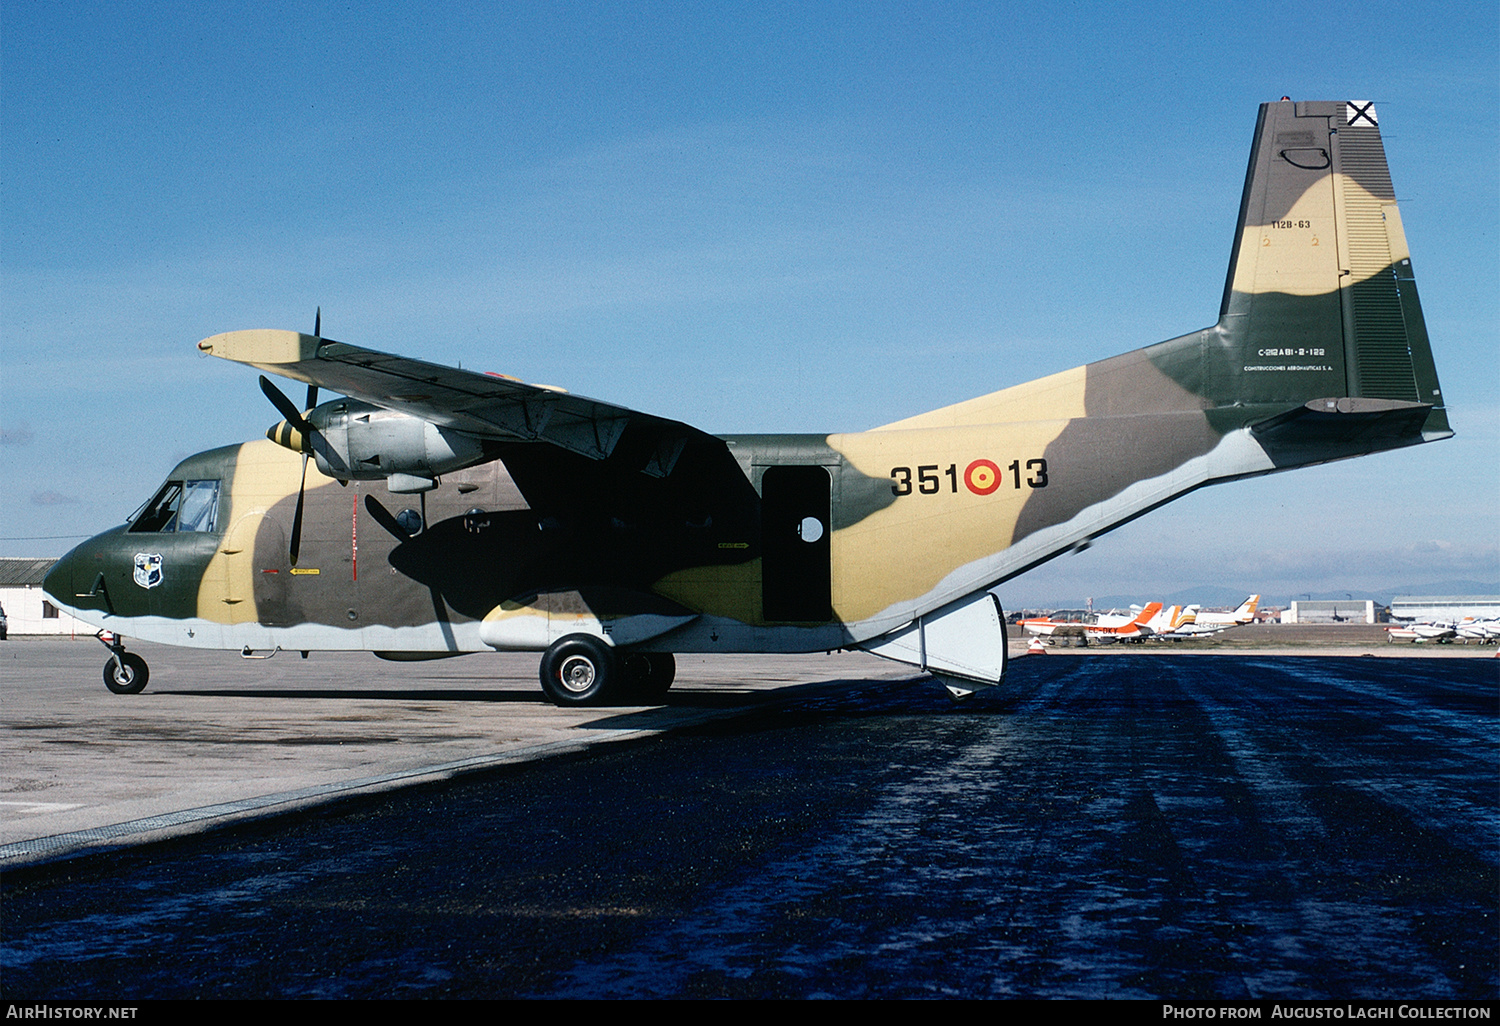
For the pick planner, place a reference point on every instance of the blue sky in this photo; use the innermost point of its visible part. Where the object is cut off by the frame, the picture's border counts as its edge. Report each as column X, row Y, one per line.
column 769, row 217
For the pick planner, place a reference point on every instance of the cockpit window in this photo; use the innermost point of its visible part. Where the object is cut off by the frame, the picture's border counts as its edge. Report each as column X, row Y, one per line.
column 180, row 506
column 200, row 506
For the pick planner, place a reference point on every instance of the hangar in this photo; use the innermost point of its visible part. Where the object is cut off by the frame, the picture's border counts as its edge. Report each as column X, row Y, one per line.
column 27, row 607
column 1444, row 608
column 1331, row 611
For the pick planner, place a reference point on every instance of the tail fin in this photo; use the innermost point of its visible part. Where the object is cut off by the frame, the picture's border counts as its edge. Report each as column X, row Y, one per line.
column 1320, row 306
column 1320, row 353
column 1320, row 347
column 1320, row 263
column 1152, row 608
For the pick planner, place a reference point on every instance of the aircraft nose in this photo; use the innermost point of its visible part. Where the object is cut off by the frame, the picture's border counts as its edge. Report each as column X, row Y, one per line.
column 72, row 579
column 59, row 580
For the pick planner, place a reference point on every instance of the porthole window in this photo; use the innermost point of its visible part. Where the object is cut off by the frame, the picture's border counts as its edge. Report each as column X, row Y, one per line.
column 810, row 530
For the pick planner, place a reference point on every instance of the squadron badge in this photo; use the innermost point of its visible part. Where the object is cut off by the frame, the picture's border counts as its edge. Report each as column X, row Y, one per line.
column 148, row 569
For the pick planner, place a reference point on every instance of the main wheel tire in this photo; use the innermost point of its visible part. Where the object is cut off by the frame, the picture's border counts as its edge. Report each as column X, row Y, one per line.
column 580, row 670
column 127, row 674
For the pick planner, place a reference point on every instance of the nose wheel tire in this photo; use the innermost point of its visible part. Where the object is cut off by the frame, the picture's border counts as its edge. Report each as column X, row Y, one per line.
column 580, row 670
column 126, row 674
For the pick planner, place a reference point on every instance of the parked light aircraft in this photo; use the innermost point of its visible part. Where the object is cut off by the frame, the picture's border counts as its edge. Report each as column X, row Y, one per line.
column 1468, row 628
column 1061, row 623
column 1214, row 623
column 1171, row 620
column 1423, row 630
column 1476, row 629
column 1241, row 614
column 1109, row 628
column 446, row 511
column 1149, row 621
column 1166, row 618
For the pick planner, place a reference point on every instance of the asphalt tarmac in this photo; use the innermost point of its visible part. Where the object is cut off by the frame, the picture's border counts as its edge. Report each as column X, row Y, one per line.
column 216, row 739
column 1150, row 826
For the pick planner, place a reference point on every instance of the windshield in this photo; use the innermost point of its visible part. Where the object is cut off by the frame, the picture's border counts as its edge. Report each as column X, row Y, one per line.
column 180, row 506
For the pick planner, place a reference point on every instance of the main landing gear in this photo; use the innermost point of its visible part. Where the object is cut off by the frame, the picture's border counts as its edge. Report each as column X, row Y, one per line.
column 581, row 669
column 125, row 673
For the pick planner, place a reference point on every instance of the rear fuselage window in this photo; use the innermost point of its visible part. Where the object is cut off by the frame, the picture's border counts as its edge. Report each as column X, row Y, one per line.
column 180, row 506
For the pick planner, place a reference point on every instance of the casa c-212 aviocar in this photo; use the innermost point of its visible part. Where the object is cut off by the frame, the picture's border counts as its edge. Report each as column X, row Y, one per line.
column 447, row 511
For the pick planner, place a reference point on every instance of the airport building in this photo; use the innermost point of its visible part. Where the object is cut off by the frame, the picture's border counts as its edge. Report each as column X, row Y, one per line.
column 1331, row 611
column 26, row 606
column 1444, row 608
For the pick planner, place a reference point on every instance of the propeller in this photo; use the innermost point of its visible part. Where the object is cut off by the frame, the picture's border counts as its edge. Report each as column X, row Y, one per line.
column 305, row 431
column 287, row 408
column 312, row 390
column 299, row 423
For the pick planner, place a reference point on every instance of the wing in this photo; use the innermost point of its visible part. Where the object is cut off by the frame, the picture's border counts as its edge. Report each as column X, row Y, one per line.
column 487, row 406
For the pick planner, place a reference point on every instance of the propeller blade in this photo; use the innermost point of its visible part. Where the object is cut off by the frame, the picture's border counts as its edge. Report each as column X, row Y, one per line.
column 285, row 407
column 297, row 515
column 312, row 390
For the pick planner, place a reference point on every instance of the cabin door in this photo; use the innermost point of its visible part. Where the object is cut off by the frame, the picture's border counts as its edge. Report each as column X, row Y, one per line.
column 795, row 505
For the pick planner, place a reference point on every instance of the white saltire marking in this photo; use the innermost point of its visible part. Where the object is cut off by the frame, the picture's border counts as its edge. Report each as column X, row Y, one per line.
column 1356, row 111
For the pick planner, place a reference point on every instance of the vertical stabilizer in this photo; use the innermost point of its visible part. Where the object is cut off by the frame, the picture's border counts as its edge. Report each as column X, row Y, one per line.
column 1320, row 299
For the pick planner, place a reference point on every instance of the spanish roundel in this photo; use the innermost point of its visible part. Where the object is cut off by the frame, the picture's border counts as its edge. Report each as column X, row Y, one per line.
column 982, row 477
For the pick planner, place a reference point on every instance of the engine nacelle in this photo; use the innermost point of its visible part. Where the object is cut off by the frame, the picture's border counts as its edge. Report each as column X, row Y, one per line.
column 358, row 441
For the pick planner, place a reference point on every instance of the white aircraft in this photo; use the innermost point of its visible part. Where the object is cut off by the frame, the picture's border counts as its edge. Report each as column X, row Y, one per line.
column 1423, row 631
column 1061, row 623
column 1213, row 623
column 1472, row 629
column 1111, row 627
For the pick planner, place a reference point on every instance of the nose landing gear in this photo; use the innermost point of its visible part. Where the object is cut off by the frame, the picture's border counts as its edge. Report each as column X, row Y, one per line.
column 125, row 673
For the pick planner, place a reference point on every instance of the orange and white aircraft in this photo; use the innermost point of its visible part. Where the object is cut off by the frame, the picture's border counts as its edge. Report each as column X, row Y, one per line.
column 1114, row 627
column 1062, row 622
column 1110, row 626
column 1172, row 618
column 1182, row 624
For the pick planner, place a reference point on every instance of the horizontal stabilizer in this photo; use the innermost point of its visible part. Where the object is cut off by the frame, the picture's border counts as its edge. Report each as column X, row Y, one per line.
column 1331, row 428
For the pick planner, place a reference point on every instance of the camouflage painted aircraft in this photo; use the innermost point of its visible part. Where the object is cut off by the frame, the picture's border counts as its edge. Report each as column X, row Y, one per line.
column 449, row 511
